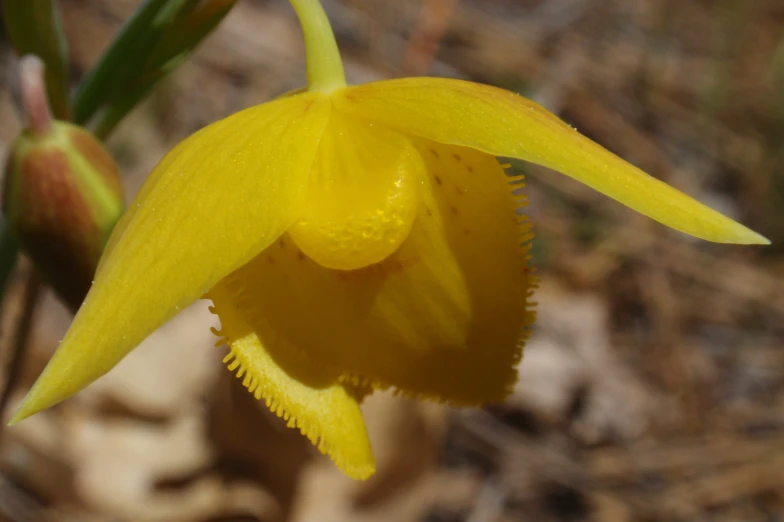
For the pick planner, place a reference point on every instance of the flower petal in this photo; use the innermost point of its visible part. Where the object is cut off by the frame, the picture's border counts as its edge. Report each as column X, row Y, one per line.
column 306, row 395
column 504, row 124
column 442, row 317
column 213, row 203
column 362, row 195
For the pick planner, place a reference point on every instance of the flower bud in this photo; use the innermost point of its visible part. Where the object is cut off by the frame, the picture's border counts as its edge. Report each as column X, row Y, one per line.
column 62, row 198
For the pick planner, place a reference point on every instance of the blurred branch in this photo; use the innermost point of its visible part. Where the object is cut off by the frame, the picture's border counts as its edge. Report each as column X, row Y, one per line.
column 9, row 250
column 732, row 18
column 17, row 320
column 426, row 35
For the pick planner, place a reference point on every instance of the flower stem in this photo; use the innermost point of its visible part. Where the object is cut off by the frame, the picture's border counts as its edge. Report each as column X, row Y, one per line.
column 35, row 27
column 325, row 69
column 17, row 322
column 34, row 97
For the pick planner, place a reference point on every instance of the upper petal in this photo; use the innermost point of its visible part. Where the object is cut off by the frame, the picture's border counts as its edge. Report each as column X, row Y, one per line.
column 214, row 202
column 505, row 124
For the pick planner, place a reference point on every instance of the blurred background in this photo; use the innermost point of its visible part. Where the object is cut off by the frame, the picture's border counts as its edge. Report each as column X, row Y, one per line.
column 653, row 387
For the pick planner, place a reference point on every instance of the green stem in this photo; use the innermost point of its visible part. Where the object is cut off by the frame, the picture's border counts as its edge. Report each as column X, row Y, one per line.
column 9, row 250
column 17, row 341
column 325, row 69
column 35, row 27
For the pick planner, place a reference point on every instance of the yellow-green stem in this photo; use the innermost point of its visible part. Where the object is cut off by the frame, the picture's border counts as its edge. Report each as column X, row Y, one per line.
column 325, row 69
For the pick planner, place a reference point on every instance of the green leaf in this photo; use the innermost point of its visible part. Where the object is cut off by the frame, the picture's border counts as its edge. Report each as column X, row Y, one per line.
column 154, row 42
column 194, row 23
column 191, row 27
column 35, row 27
column 124, row 60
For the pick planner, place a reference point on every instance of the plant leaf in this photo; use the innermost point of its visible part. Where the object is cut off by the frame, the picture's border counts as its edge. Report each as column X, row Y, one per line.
column 35, row 27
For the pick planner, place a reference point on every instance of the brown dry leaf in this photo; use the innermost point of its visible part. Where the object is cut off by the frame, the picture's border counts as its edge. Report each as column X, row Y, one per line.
column 568, row 359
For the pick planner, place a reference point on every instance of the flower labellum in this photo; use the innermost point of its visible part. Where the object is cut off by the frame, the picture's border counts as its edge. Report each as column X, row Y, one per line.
column 351, row 238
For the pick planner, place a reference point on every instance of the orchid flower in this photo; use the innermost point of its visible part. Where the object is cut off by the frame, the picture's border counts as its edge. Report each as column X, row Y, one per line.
column 351, row 238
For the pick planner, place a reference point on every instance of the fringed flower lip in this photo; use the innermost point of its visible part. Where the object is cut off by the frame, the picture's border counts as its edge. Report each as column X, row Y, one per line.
column 350, row 238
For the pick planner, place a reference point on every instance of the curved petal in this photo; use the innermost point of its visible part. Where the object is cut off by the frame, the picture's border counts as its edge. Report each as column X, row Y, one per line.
column 442, row 317
column 210, row 205
column 505, row 124
column 306, row 395
column 362, row 195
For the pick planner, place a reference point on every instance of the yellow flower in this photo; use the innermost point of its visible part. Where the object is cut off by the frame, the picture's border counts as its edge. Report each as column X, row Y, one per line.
column 350, row 238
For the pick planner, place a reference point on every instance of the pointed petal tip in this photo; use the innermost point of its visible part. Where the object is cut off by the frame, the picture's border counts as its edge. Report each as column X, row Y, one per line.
column 757, row 239
column 44, row 394
column 731, row 233
column 741, row 235
column 24, row 411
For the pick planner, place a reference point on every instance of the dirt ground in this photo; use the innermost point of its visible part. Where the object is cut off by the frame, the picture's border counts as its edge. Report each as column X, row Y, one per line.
column 652, row 389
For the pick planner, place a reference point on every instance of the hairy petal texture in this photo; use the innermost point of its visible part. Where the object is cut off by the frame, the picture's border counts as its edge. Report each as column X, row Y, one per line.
column 505, row 124
column 306, row 395
column 214, row 202
column 362, row 195
column 443, row 317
